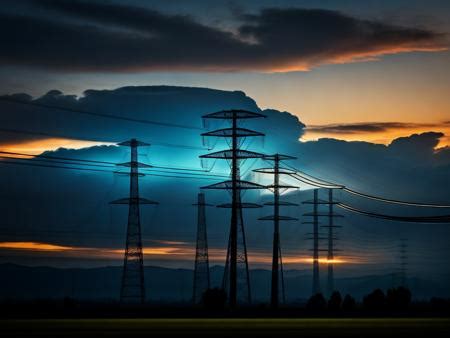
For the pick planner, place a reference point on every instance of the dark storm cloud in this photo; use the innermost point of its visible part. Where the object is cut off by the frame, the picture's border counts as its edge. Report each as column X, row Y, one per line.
column 89, row 36
column 371, row 127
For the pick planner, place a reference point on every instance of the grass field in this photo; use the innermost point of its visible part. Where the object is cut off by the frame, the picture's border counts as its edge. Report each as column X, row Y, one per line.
column 380, row 327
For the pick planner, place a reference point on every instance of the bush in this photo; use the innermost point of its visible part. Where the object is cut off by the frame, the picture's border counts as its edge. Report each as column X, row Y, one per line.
column 349, row 303
column 398, row 298
column 316, row 302
column 214, row 299
column 375, row 301
column 335, row 301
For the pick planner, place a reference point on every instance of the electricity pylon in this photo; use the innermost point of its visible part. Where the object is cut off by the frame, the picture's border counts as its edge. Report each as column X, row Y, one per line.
column 277, row 263
column 133, row 287
column 331, row 240
column 316, row 214
column 235, row 155
column 403, row 261
column 201, row 270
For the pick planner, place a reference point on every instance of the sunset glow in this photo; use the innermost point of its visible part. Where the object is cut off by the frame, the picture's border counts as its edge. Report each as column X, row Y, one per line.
column 179, row 253
column 314, row 133
column 36, row 147
column 34, row 246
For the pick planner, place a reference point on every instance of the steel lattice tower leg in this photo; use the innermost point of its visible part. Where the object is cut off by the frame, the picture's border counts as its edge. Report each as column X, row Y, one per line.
column 243, row 289
column 201, row 271
column 243, row 292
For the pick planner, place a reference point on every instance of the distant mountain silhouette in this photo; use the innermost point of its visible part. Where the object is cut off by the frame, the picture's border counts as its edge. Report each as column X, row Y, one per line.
column 175, row 285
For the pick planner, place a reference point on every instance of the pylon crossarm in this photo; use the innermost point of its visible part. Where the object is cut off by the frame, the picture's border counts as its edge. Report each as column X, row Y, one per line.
column 281, row 218
column 240, row 205
column 281, row 186
column 233, row 114
column 203, row 204
column 240, row 185
column 228, row 154
column 279, row 157
column 229, row 132
column 322, row 214
column 133, row 142
column 130, row 200
column 284, row 204
column 281, row 171
column 128, row 173
column 320, row 201
column 134, row 164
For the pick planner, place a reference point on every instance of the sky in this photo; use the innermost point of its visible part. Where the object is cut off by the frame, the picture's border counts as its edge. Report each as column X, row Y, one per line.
column 335, row 64
column 374, row 71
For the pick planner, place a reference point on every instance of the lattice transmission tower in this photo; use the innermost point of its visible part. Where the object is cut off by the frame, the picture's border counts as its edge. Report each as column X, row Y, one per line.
column 133, row 287
column 331, row 238
column 236, row 274
column 277, row 188
column 403, row 250
column 201, row 271
column 316, row 214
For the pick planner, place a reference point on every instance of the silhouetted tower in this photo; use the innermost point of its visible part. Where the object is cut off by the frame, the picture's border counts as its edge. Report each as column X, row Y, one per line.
column 331, row 238
column 201, row 271
column 133, row 287
column 315, row 223
column 330, row 214
column 276, row 187
column 234, row 155
column 403, row 261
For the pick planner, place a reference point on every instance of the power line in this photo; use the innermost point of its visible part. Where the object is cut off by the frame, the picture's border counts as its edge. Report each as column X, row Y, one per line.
column 100, row 170
column 413, row 219
column 103, row 115
column 109, row 164
column 311, row 180
column 40, row 133
column 392, row 201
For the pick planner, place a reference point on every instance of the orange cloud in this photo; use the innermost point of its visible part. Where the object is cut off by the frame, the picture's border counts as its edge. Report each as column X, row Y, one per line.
column 36, row 147
column 166, row 253
column 376, row 132
column 34, row 246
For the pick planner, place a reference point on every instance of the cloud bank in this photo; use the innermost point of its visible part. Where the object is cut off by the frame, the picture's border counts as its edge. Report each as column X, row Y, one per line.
column 76, row 35
column 70, row 208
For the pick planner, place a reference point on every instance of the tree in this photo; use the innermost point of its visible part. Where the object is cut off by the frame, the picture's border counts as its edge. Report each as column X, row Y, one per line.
column 398, row 298
column 214, row 298
column 335, row 301
column 375, row 301
column 349, row 303
column 317, row 302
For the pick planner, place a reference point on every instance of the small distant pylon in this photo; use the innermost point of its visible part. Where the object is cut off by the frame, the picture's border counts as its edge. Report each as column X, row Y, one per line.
column 277, row 264
column 330, row 214
column 201, row 270
column 133, row 287
column 403, row 261
column 331, row 242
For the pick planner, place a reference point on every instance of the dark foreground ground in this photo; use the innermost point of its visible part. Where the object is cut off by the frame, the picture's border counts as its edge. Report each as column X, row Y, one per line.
column 289, row 327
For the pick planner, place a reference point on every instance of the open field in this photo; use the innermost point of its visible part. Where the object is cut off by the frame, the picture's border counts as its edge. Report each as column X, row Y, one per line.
column 324, row 327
